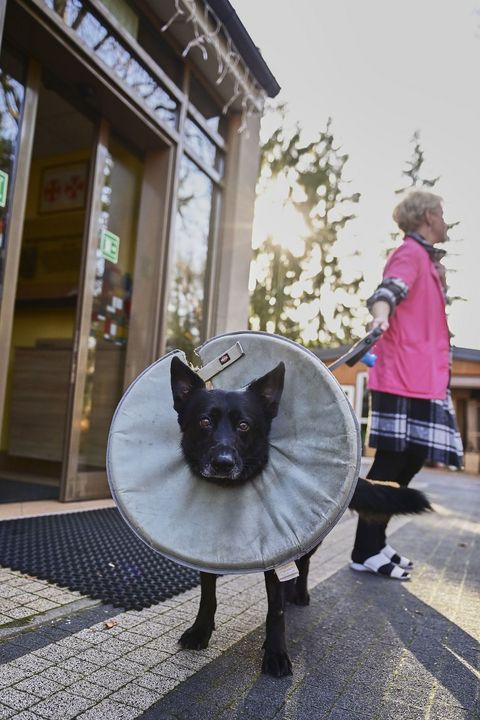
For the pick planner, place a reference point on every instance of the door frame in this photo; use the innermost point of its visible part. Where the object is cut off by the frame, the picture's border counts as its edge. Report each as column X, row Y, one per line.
column 16, row 222
column 152, row 231
column 71, row 448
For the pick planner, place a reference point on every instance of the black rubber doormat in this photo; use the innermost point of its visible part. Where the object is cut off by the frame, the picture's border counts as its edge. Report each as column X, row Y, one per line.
column 18, row 491
column 96, row 553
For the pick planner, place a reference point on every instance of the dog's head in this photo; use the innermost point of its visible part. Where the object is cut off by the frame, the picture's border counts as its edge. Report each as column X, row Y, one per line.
column 225, row 433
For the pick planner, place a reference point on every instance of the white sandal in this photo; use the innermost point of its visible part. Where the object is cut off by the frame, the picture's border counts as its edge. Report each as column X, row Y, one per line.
column 396, row 558
column 380, row 564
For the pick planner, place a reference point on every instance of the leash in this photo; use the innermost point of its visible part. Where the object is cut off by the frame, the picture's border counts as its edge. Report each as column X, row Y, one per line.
column 359, row 351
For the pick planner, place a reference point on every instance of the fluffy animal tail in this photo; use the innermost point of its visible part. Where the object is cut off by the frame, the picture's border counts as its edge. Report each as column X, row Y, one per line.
column 376, row 501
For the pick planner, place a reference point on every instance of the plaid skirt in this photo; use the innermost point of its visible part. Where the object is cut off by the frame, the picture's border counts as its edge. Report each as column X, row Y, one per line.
column 423, row 427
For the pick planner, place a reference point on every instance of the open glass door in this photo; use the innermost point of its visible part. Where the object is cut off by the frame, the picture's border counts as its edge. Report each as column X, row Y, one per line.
column 12, row 96
column 103, row 315
column 41, row 291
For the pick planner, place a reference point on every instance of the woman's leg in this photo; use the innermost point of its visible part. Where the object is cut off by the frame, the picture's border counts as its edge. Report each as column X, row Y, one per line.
column 413, row 464
column 390, row 466
column 370, row 536
column 404, row 468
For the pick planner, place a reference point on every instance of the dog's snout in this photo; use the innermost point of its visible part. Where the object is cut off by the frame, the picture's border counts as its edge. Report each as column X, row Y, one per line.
column 223, row 461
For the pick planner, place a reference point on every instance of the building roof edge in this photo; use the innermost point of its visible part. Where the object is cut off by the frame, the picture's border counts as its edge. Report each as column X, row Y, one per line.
column 250, row 53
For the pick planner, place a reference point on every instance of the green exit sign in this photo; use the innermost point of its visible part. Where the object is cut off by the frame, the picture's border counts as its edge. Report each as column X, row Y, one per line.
column 109, row 246
column 3, row 188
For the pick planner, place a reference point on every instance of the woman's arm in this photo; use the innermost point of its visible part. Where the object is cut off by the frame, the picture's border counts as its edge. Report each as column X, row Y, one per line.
column 380, row 311
column 399, row 275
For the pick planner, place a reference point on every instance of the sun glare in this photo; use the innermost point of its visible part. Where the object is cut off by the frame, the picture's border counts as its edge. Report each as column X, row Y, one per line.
column 277, row 218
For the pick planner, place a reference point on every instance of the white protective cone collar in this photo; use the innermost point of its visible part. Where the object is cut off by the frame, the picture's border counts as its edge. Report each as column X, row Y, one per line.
column 270, row 520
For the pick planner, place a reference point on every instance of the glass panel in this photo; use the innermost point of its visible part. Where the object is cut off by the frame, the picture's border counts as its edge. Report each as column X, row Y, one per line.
column 112, row 293
column 200, row 144
column 207, row 107
column 98, row 38
column 12, row 93
column 38, row 384
column 192, row 232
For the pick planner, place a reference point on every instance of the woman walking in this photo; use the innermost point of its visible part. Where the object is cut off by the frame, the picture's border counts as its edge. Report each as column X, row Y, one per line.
column 412, row 417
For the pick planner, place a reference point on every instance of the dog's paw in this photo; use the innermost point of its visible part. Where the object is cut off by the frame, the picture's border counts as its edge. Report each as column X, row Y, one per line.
column 277, row 664
column 195, row 638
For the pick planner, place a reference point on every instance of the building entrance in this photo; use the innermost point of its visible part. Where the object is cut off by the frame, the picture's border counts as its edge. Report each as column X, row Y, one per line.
column 45, row 310
column 71, row 310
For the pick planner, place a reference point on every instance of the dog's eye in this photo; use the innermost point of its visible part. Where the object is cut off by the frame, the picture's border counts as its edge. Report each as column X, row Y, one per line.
column 205, row 423
column 243, row 426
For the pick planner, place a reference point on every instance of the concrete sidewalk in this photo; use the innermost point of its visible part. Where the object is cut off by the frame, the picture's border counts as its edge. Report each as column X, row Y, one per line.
column 365, row 648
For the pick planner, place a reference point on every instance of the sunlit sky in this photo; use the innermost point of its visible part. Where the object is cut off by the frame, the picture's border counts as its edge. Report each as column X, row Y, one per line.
column 382, row 70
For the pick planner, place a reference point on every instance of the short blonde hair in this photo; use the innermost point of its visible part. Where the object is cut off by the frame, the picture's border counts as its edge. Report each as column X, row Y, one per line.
column 410, row 212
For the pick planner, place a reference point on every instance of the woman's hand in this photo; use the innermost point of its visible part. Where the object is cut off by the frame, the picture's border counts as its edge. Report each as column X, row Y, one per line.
column 377, row 322
column 381, row 312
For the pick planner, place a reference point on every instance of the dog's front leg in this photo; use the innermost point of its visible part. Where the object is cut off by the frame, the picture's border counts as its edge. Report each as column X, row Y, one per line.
column 302, row 596
column 198, row 636
column 275, row 659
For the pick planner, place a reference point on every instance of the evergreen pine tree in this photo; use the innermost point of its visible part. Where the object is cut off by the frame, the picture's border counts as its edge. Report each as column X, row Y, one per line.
column 414, row 168
column 413, row 172
column 314, row 174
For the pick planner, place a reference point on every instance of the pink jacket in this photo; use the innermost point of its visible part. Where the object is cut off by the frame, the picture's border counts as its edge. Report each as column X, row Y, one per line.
column 413, row 354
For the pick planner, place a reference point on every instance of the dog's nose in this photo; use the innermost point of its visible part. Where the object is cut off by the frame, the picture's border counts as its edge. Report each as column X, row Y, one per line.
column 223, row 462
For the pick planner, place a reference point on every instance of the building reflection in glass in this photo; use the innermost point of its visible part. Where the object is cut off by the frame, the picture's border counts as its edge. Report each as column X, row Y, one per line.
column 199, row 143
column 108, row 48
column 111, row 305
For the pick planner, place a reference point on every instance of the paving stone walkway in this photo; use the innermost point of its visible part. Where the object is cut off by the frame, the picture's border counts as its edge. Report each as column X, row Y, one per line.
column 365, row 648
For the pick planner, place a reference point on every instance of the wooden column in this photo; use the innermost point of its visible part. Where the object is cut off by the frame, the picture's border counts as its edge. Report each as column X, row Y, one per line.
column 230, row 310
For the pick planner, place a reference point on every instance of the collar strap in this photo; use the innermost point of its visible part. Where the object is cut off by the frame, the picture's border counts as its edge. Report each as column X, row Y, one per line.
column 208, row 371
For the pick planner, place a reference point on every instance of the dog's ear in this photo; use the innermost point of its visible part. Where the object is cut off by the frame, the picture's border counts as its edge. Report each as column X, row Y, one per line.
column 184, row 381
column 269, row 389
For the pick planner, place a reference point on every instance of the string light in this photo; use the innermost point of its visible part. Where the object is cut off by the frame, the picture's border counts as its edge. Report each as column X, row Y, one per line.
column 178, row 12
column 229, row 61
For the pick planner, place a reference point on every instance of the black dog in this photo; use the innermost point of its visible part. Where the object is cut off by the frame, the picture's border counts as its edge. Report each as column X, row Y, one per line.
column 225, row 440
